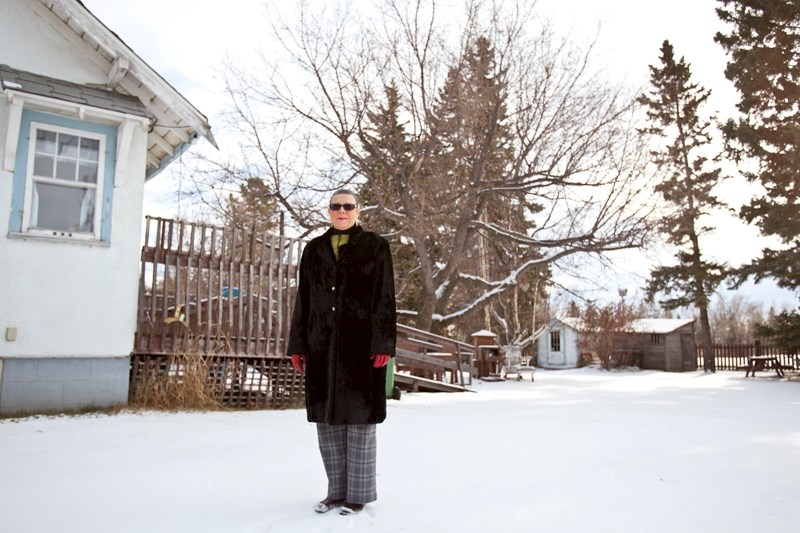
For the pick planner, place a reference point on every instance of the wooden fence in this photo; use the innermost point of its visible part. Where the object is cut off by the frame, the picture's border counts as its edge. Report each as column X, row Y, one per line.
column 734, row 356
column 222, row 294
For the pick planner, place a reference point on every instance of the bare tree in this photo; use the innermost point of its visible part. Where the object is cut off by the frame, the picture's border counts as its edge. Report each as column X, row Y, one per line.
column 733, row 319
column 603, row 328
column 495, row 137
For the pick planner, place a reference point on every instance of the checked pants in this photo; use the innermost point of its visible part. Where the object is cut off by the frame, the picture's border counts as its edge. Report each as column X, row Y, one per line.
column 348, row 452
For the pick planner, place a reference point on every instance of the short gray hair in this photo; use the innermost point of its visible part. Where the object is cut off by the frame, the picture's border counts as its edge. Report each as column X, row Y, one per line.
column 347, row 191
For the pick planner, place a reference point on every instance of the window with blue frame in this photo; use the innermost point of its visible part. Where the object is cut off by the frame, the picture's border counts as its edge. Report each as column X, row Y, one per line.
column 63, row 178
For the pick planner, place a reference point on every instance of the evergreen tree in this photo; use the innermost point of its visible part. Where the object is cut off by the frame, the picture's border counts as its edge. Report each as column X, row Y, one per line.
column 390, row 173
column 764, row 65
column 467, row 151
column 474, row 150
column 782, row 330
column 673, row 103
column 254, row 209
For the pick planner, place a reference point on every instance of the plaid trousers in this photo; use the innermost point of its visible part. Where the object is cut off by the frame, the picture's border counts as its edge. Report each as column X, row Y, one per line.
column 348, row 452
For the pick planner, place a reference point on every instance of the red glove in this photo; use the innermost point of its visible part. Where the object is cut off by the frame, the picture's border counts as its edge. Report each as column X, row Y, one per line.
column 299, row 362
column 380, row 360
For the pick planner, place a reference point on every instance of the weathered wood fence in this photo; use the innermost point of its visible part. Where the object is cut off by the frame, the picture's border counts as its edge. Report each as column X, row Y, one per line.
column 222, row 294
column 734, row 356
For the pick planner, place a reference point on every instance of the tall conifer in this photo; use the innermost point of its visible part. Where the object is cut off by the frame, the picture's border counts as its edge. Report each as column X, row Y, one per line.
column 763, row 45
column 673, row 104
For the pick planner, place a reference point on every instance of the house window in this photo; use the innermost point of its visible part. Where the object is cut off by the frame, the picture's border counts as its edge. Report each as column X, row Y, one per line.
column 64, row 182
column 555, row 341
column 656, row 338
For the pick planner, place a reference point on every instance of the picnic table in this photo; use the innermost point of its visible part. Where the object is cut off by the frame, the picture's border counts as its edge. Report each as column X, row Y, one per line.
column 763, row 362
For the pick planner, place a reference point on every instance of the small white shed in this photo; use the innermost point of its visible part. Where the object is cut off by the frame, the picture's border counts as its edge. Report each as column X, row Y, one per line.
column 557, row 346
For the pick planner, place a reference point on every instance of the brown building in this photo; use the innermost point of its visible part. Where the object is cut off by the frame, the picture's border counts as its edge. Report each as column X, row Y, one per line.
column 663, row 343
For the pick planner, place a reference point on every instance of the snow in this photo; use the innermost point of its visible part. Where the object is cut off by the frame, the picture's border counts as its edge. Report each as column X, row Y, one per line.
column 658, row 325
column 575, row 451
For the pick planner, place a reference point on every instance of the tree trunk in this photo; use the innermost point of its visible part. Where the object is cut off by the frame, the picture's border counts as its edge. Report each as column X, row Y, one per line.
column 709, row 364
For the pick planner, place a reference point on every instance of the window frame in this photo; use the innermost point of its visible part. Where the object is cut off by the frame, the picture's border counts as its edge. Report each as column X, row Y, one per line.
column 107, row 127
column 32, row 180
column 555, row 340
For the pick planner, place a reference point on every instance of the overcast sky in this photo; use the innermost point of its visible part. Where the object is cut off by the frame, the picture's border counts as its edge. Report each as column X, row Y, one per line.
column 186, row 40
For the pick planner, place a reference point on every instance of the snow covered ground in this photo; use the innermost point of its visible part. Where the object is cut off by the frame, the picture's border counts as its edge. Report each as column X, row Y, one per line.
column 576, row 451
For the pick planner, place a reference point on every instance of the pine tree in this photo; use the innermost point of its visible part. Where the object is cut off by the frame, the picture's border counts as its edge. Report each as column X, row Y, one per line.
column 468, row 149
column 390, row 174
column 764, row 66
column 253, row 209
column 673, row 104
column 474, row 150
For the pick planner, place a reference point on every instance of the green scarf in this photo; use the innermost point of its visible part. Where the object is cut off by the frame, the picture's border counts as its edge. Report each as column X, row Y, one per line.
column 337, row 240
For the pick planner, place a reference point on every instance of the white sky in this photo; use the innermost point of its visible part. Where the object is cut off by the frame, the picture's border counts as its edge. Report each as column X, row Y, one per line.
column 576, row 451
column 186, row 40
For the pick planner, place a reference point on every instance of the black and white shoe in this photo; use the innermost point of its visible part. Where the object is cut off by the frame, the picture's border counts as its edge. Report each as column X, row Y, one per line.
column 351, row 508
column 327, row 504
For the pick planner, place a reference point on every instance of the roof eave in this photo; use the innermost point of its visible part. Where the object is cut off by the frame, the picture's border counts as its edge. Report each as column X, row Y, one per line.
column 169, row 109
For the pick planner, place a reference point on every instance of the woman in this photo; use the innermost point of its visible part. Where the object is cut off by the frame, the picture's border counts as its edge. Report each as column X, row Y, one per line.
column 342, row 336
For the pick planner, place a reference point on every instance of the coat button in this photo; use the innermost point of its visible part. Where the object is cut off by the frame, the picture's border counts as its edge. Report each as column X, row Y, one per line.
column 333, row 288
column 333, row 308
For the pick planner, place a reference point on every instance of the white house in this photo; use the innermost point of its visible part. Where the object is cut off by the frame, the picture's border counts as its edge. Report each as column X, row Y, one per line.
column 84, row 122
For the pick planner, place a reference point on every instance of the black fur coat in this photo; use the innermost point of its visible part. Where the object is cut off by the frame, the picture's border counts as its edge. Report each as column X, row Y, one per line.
column 344, row 313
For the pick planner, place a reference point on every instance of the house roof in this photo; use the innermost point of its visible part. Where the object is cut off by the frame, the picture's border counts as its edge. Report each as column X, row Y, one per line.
column 174, row 122
column 31, row 83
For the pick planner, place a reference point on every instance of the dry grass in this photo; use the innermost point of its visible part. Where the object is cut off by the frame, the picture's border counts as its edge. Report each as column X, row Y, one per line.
column 185, row 387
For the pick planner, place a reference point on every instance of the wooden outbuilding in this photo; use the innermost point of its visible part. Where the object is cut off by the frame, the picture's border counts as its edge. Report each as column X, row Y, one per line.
column 663, row 343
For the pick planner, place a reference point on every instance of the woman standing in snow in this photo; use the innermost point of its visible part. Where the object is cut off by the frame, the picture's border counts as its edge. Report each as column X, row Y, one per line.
column 343, row 334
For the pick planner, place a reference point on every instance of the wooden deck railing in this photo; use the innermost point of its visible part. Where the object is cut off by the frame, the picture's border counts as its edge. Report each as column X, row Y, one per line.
column 223, row 294
column 221, row 289
column 429, row 355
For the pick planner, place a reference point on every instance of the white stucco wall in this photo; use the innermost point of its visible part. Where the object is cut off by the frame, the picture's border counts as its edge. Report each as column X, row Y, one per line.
column 66, row 298
column 28, row 42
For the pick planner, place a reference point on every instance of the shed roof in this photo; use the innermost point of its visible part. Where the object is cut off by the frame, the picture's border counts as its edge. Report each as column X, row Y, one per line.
column 658, row 325
column 642, row 325
column 574, row 322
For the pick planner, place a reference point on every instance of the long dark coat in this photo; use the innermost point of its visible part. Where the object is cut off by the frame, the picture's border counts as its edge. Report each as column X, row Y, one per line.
column 344, row 313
